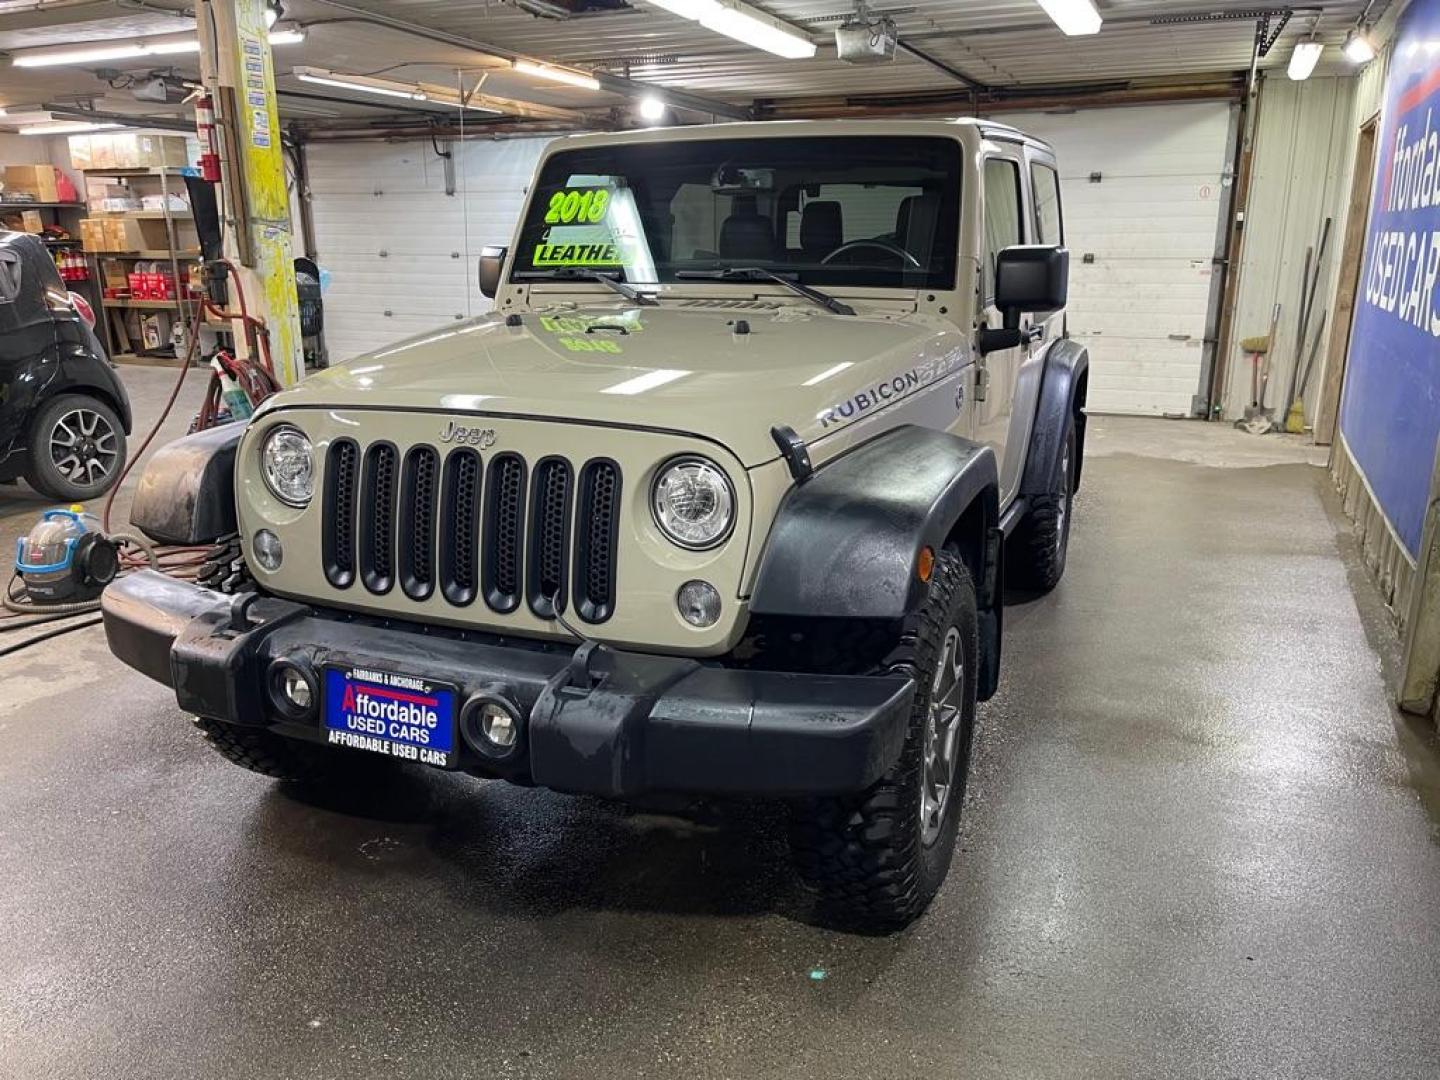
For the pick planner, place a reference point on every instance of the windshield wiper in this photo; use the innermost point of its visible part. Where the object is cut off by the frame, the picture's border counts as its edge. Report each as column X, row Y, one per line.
column 759, row 273
column 580, row 273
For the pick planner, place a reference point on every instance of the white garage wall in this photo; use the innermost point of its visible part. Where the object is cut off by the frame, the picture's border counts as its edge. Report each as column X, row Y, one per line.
column 1152, row 224
column 400, row 252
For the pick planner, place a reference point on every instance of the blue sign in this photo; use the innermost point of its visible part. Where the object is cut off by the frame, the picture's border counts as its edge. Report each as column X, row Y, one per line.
column 1390, row 415
column 389, row 713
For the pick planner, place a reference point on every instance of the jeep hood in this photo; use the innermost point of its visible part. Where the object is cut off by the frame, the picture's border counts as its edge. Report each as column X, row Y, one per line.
column 680, row 367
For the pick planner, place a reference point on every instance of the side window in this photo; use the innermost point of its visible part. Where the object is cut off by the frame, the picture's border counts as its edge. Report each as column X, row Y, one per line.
column 1002, row 214
column 1048, row 226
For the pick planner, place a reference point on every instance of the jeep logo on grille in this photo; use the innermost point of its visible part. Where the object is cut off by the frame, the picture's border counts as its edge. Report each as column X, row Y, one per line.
column 468, row 436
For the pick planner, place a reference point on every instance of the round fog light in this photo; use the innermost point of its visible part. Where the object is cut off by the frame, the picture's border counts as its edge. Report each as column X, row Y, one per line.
column 296, row 690
column 699, row 603
column 268, row 551
column 498, row 726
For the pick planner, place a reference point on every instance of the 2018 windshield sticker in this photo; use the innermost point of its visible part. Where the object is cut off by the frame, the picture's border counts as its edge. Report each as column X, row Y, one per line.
column 886, row 391
column 578, row 205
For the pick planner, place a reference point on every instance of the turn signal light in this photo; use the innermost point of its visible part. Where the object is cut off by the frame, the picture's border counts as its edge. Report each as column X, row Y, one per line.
column 925, row 565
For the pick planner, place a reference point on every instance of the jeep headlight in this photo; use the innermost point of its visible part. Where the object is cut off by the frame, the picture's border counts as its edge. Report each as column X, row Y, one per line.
column 693, row 503
column 287, row 462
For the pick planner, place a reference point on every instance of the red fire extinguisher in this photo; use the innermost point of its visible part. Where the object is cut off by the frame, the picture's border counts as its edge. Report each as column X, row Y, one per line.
column 205, row 131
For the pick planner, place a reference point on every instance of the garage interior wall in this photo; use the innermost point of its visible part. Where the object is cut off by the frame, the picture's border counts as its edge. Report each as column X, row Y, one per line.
column 1384, row 554
column 1304, row 146
column 400, row 252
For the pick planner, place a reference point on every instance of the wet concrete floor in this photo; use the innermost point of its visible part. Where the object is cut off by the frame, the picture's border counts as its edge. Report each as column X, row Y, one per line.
column 1198, row 843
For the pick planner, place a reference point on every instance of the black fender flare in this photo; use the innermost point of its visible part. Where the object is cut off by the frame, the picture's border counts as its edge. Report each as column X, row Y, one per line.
column 1067, row 368
column 187, row 491
column 846, row 542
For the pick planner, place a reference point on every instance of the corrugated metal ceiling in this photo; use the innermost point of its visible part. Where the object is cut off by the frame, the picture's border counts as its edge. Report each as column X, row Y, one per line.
column 1002, row 43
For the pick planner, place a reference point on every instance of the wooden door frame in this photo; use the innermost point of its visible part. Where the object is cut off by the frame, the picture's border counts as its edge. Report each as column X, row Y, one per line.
column 1347, row 288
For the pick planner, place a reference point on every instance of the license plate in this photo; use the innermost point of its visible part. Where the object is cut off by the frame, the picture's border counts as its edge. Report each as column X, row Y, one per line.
column 386, row 712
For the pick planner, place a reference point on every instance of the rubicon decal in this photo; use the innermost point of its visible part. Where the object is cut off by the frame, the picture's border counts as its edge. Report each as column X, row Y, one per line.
column 888, row 390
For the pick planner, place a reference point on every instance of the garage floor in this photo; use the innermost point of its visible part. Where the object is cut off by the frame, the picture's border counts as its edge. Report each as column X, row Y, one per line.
column 1198, row 844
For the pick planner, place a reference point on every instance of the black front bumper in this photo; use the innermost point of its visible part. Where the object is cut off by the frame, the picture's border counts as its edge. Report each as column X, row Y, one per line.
column 603, row 721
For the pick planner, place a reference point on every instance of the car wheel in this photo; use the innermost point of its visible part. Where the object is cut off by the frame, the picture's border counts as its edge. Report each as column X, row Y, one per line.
column 77, row 449
column 877, row 859
column 271, row 755
column 1036, row 559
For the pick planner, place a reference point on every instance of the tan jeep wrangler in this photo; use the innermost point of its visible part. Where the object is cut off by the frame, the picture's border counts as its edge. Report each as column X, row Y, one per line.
column 716, row 501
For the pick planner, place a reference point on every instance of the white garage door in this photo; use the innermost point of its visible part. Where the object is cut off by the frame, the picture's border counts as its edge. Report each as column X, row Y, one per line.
column 400, row 252
column 1144, row 189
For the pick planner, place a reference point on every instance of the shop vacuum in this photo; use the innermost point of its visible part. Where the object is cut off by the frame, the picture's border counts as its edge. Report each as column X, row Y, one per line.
column 66, row 558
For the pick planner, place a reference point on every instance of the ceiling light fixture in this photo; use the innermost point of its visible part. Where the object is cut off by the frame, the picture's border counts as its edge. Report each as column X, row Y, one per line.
column 273, row 11
column 368, row 84
column 1074, row 17
column 1358, row 48
column 558, row 74
column 292, row 34
column 651, row 108
column 64, row 127
column 358, row 82
column 159, row 45
column 1304, row 59
column 745, row 24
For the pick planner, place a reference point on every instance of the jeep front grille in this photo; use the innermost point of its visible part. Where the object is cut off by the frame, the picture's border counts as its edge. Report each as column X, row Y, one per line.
column 466, row 527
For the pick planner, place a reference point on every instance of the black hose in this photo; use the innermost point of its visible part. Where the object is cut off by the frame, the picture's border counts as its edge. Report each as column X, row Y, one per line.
column 47, row 636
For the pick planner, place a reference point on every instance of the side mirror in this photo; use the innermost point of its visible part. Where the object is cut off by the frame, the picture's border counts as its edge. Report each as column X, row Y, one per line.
column 492, row 265
column 1029, row 280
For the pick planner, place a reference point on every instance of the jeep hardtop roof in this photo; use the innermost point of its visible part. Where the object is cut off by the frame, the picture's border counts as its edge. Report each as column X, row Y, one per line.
column 988, row 129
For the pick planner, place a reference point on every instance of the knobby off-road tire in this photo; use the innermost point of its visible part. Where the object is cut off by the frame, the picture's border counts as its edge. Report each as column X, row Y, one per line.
column 876, row 859
column 268, row 754
column 1036, row 559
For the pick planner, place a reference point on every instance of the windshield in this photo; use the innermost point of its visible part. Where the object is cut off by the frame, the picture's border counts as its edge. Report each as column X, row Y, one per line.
column 857, row 211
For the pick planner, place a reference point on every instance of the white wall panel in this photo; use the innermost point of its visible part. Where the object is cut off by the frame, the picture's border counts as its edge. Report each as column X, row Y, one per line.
column 1303, row 157
column 401, row 253
column 1151, row 223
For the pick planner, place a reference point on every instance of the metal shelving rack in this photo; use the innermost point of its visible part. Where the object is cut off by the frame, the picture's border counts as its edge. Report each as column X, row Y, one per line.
column 184, row 308
column 55, row 210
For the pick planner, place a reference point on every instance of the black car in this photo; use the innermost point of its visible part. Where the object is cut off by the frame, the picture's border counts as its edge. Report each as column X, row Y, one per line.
column 64, row 414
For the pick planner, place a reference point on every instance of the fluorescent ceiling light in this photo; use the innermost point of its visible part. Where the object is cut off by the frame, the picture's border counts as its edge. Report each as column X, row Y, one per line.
column 368, row 84
column 1304, row 59
column 746, row 24
column 64, row 127
column 362, row 83
column 1074, row 17
column 652, row 108
column 131, row 49
column 1357, row 47
column 558, row 74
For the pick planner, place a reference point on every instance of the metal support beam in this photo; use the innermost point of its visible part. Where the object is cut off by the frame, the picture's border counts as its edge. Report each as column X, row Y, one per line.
column 940, row 65
column 236, row 67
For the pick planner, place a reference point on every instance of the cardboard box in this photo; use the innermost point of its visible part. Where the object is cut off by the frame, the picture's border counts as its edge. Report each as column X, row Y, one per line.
column 80, row 152
column 102, row 151
column 135, row 234
column 36, row 180
column 92, row 234
column 113, row 274
column 155, row 151
column 155, row 330
column 32, row 221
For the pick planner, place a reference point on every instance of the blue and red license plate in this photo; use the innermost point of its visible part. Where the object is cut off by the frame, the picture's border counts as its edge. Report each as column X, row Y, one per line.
column 388, row 713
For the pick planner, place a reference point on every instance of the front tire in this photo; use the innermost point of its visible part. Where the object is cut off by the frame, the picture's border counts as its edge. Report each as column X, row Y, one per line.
column 268, row 754
column 1037, row 555
column 877, row 859
column 76, row 449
